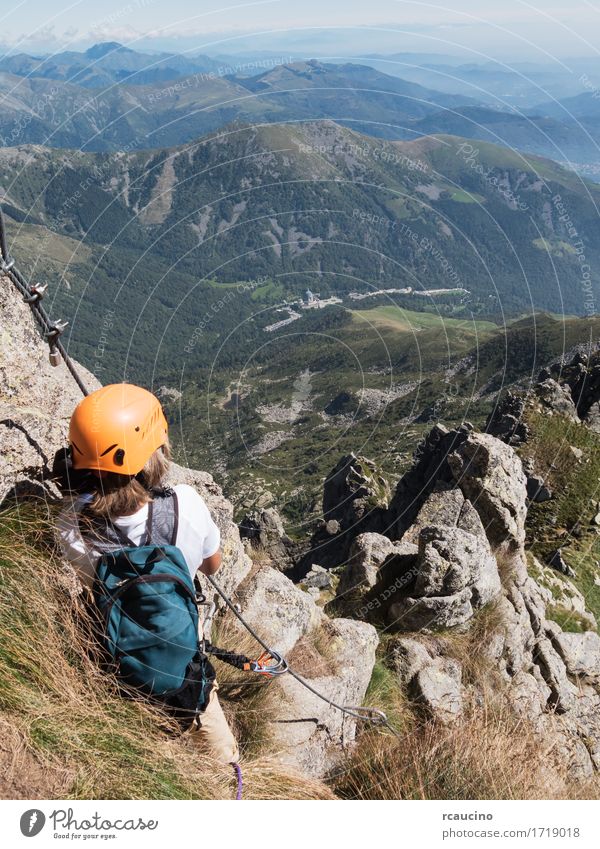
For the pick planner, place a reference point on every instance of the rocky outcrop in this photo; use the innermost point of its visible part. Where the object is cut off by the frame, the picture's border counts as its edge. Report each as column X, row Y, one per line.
column 506, row 420
column 429, row 470
column 491, row 475
column 264, row 530
column 455, row 574
column 36, row 402
column 352, row 490
column 556, row 397
column 355, row 498
column 367, row 554
column 432, row 681
column 464, row 502
column 581, row 377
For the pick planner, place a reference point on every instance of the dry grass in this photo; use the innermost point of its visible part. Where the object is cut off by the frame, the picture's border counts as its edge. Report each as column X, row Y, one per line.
column 469, row 648
column 487, row 755
column 314, row 655
column 63, row 719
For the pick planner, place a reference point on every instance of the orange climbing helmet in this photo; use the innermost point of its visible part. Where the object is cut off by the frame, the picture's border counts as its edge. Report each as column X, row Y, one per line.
column 117, row 429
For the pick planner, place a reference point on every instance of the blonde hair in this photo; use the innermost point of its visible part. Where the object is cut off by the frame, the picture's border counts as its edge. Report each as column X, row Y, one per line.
column 120, row 495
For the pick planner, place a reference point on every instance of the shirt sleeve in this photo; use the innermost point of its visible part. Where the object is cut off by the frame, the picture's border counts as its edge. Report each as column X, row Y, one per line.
column 72, row 545
column 202, row 523
column 212, row 540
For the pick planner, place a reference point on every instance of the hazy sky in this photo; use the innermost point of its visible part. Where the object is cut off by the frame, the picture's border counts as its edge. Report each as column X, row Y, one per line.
column 538, row 30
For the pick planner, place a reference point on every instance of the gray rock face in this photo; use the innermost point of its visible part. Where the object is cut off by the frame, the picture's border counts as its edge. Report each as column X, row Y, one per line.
column 527, row 696
column 455, row 570
column 506, row 420
column 430, row 613
column 551, row 678
column 312, row 736
column 580, row 653
column 264, row 529
column 558, row 562
column 562, row 692
column 408, row 656
column 36, row 401
column 451, row 560
column 367, row 553
column 491, row 476
column 446, row 505
column 437, row 687
column 557, row 398
column 277, row 608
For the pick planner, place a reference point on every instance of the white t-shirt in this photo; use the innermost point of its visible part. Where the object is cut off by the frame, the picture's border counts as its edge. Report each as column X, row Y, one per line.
column 197, row 534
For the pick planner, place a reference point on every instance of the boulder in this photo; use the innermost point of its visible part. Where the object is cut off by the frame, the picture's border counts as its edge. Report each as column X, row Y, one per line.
column 318, row 578
column 558, row 562
column 557, row 398
column 437, row 688
column 491, row 476
column 264, row 529
column 537, row 490
column 367, row 553
column 430, row 613
column 451, row 560
column 313, row 734
column 277, row 608
column 407, row 656
column 580, row 653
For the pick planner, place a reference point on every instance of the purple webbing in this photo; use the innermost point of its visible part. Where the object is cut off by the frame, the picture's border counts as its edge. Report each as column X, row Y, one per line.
column 240, row 782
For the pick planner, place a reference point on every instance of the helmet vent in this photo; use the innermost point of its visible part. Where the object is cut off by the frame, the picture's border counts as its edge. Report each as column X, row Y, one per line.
column 119, row 456
column 110, row 448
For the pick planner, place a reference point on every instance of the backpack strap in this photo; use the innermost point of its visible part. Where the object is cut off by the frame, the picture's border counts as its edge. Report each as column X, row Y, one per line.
column 163, row 519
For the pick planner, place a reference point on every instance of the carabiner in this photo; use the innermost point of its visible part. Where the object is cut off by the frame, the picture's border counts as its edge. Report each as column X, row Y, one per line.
column 270, row 664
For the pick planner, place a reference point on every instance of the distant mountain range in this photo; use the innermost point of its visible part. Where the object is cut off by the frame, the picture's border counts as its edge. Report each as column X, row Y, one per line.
column 307, row 204
column 113, row 98
column 105, row 64
column 520, row 85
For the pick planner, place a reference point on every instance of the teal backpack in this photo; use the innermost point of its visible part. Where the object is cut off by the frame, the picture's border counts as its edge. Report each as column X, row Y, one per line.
column 148, row 611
